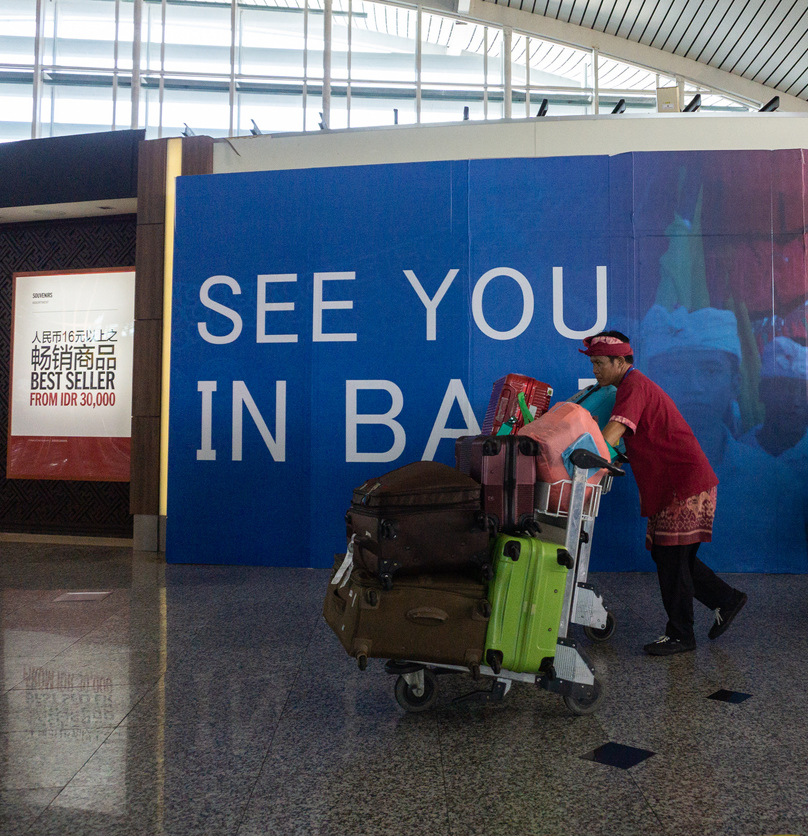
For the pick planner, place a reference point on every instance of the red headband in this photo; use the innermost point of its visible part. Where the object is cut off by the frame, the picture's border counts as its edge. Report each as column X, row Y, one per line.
column 605, row 347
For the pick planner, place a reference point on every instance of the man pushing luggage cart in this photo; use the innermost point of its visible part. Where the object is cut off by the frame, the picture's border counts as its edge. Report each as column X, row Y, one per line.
column 678, row 490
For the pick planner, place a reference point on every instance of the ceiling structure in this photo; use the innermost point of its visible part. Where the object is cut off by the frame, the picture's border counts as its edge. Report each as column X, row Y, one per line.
column 747, row 47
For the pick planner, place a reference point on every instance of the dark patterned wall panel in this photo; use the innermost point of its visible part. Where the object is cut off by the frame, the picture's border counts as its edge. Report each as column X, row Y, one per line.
column 44, row 506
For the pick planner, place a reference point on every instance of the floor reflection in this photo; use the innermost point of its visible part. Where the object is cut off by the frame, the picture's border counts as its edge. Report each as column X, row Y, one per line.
column 199, row 699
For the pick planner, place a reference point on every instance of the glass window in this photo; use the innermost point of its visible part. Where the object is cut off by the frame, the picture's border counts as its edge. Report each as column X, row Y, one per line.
column 439, row 105
column 714, row 102
column 123, row 107
column 79, row 33
column 557, row 65
column 315, row 42
column 205, row 111
column 560, row 74
column 16, row 106
column 17, row 31
column 197, row 38
column 313, row 110
column 68, row 108
column 339, row 108
column 616, row 75
column 520, row 69
column 341, row 37
column 126, row 34
column 618, row 80
column 372, row 106
column 496, row 57
column 279, row 45
column 452, row 51
column 271, row 41
column 383, row 40
column 273, row 112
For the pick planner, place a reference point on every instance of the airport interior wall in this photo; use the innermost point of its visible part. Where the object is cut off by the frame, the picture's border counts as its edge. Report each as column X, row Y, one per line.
column 334, row 321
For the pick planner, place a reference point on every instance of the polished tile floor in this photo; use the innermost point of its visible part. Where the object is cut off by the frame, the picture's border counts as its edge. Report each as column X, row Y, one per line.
column 215, row 700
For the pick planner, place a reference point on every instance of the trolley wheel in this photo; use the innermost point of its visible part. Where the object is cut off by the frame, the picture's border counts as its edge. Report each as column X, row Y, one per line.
column 409, row 701
column 587, row 705
column 602, row 634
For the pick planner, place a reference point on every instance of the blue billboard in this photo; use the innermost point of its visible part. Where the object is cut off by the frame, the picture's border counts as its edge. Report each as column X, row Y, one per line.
column 332, row 324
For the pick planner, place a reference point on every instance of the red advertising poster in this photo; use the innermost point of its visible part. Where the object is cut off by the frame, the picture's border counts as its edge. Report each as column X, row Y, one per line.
column 71, row 375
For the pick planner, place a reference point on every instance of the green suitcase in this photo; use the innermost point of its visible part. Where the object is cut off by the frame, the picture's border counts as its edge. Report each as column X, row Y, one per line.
column 527, row 597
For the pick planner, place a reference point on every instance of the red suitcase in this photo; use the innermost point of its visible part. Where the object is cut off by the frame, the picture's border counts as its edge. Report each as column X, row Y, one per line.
column 505, row 467
column 504, row 405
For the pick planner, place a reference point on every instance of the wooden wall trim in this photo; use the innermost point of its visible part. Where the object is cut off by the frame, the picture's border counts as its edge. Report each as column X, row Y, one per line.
column 197, row 158
column 144, row 492
column 149, row 263
column 144, row 470
column 151, row 182
column 197, row 155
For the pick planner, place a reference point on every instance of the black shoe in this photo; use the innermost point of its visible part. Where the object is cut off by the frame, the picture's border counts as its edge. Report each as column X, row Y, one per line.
column 724, row 615
column 666, row 646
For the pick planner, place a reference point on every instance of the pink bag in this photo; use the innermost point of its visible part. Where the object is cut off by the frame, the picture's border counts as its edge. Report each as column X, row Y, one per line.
column 554, row 431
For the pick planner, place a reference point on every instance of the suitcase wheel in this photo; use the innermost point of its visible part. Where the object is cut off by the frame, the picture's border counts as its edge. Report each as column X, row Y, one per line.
column 528, row 446
column 531, row 528
column 492, row 446
column 408, row 697
column 589, row 702
column 494, row 659
column 485, row 609
column 362, row 660
column 386, row 580
column 372, row 597
column 565, row 559
column 487, row 572
column 604, row 633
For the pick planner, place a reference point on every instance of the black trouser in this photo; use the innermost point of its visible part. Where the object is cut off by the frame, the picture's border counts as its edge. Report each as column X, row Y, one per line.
column 683, row 577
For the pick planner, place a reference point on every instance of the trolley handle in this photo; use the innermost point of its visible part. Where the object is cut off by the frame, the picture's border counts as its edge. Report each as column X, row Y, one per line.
column 585, row 459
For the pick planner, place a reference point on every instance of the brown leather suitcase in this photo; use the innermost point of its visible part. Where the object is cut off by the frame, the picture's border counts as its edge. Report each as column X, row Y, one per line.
column 424, row 517
column 440, row 619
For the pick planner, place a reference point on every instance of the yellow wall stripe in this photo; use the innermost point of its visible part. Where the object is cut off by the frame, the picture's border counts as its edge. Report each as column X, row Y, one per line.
column 173, row 170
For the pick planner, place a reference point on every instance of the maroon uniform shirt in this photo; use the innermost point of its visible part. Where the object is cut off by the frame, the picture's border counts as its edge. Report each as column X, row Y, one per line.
column 664, row 455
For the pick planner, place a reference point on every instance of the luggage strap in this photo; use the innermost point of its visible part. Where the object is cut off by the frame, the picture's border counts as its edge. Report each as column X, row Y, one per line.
column 344, row 570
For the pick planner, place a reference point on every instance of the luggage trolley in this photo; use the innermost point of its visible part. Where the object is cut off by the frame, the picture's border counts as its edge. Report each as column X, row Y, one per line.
column 569, row 673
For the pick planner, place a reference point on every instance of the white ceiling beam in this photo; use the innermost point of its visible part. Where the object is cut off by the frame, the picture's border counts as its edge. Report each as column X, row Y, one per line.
column 481, row 11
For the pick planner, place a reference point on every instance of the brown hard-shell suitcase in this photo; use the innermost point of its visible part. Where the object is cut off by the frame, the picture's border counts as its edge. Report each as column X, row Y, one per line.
column 424, row 517
column 440, row 619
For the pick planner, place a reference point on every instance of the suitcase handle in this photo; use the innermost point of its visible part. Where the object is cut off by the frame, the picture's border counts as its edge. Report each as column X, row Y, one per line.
column 427, row 614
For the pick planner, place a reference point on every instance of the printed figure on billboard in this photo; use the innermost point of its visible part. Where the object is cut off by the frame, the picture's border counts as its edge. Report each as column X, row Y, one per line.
column 695, row 357
column 725, row 260
column 783, row 433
